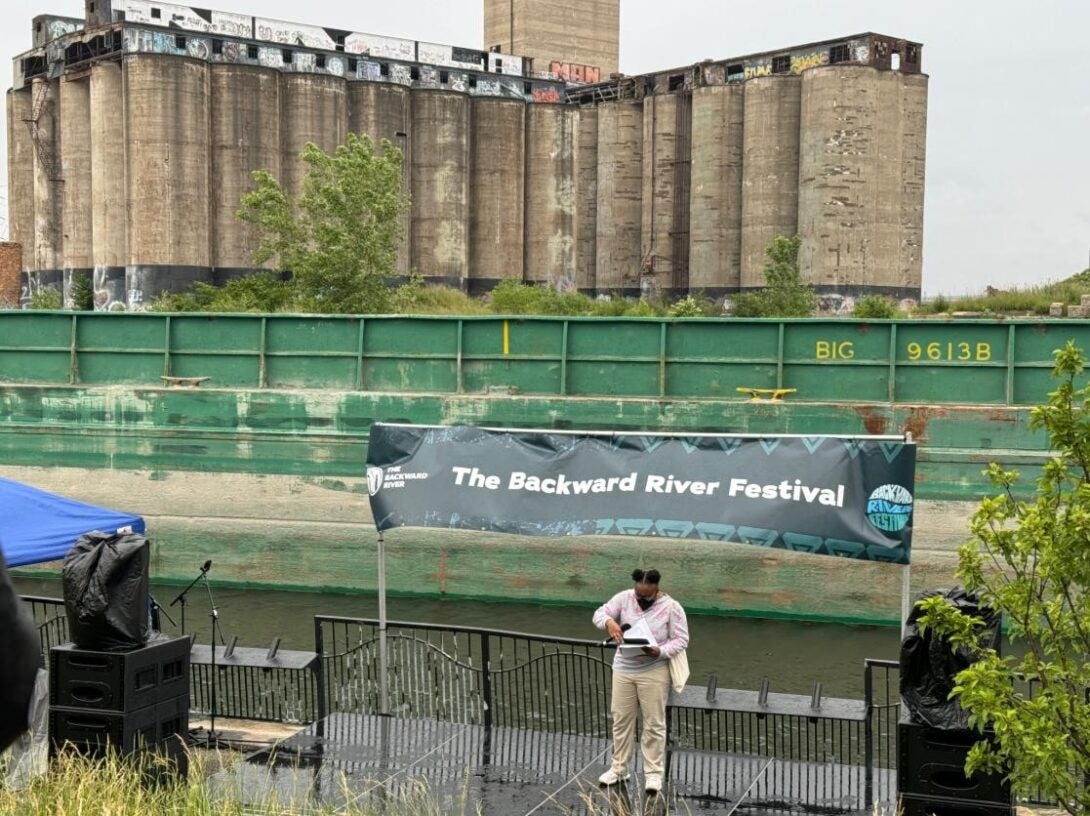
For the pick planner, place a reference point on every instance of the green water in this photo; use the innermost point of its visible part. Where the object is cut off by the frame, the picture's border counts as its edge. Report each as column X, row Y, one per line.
column 741, row 651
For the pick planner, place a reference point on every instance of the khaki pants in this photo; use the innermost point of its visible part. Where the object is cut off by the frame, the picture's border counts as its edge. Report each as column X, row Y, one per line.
column 645, row 691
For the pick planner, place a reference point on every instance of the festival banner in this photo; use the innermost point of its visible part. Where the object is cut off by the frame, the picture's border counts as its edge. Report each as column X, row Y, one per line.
column 828, row 495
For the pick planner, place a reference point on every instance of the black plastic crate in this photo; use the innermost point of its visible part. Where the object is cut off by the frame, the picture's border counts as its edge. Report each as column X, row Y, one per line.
column 93, row 732
column 119, row 681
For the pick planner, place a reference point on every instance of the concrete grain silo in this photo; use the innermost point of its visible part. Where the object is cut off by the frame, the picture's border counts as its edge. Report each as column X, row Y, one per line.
column 245, row 127
column 550, row 199
column 109, row 190
column 384, row 111
column 21, row 174
column 48, row 198
column 665, row 201
column 585, row 194
column 620, row 197
column 440, row 186
column 75, row 170
column 496, row 194
column 851, row 200
column 134, row 134
column 913, row 162
column 166, row 132
column 715, row 219
column 770, row 169
column 313, row 108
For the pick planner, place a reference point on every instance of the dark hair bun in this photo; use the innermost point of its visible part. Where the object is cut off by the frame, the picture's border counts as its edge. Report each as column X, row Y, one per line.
column 646, row 576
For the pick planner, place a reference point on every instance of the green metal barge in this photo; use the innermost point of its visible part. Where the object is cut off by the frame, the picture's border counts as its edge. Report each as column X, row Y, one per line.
column 261, row 467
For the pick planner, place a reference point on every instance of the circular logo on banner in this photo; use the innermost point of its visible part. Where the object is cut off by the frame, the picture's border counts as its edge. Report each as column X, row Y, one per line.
column 374, row 479
column 889, row 508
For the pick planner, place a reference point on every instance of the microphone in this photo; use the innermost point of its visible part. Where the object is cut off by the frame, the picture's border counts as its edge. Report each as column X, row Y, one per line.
column 624, row 628
column 207, row 565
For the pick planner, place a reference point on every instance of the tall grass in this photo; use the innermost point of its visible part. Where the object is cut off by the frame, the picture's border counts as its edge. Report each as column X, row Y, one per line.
column 78, row 786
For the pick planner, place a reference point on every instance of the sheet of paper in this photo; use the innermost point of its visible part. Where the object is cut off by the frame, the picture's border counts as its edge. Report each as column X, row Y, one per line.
column 639, row 629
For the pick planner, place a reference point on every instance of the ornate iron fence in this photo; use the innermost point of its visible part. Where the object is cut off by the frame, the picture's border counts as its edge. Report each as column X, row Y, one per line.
column 466, row 675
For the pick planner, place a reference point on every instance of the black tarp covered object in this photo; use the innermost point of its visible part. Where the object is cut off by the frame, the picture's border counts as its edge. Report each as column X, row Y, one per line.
column 105, row 581
column 20, row 656
column 929, row 664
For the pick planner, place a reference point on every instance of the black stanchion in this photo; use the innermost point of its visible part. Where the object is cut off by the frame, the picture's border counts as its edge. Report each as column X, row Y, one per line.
column 217, row 634
column 181, row 595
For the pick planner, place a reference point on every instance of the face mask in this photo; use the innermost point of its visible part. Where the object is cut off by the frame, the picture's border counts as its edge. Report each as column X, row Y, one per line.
column 645, row 603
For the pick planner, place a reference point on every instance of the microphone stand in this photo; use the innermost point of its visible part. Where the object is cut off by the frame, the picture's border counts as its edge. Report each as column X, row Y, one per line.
column 216, row 631
column 181, row 595
column 155, row 610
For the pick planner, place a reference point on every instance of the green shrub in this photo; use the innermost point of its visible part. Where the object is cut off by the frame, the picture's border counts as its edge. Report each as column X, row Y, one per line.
column 875, row 307
column 46, row 298
column 258, row 292
column 416, row 297
column 692, row 306
column 613, row 307
column 748, row 304
column 940, row 304
column 642, row 308
column 83, row 292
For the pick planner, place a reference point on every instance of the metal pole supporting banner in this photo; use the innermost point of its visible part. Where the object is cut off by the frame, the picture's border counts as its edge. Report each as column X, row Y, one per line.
column 906, row 598
column 906, row 580
column 382, row 657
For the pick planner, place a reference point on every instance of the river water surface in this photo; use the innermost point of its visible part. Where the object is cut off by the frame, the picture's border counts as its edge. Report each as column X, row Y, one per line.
column 741, row 651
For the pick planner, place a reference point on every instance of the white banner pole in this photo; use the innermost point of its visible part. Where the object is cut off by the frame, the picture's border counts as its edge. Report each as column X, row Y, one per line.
column 906, row 598
column 382, row 657
column 906, row 580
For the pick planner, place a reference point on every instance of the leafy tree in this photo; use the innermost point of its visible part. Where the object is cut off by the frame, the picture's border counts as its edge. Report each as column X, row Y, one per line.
column 1030, row 559
column 785, row 295
column 339, row 240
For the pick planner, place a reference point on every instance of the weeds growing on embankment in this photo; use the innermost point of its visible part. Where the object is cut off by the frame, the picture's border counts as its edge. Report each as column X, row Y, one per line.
column 1034, row 300
column 77, row 786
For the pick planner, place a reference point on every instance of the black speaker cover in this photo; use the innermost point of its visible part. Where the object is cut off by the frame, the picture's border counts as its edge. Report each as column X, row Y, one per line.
column 20, row 656
column 105, row 580
column 929, row 664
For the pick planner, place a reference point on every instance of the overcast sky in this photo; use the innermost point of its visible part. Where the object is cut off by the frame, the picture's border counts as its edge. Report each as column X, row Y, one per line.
column 1008, row 167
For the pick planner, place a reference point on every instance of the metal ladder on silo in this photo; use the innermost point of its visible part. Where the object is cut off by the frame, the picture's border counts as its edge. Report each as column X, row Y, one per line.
column 44, row 152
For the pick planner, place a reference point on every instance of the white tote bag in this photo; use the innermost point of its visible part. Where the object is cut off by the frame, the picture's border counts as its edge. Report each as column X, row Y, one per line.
column 679, row 671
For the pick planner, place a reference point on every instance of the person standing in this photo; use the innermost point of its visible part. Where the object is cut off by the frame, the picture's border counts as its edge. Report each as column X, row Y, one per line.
column 641, row 682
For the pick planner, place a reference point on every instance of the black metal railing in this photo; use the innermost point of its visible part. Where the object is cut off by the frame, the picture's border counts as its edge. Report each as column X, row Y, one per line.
column 882, row 696
column 249, row 692
column 51, row 620
column 466, row 675
column 796, row 748
column 815, row 748
column 284, row 695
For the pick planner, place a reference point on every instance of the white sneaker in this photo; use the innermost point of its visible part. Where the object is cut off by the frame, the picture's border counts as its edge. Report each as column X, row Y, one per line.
column 611, row 777
column 652, row 783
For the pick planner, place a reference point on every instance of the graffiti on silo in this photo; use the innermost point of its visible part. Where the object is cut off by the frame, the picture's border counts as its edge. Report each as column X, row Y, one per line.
column 569, row 72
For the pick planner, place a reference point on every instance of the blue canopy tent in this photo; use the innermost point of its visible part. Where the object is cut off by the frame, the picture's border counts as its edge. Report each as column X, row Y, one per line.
column 37, row 526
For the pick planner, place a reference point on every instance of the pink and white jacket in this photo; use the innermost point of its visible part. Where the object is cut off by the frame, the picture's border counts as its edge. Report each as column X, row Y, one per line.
column 666, row 620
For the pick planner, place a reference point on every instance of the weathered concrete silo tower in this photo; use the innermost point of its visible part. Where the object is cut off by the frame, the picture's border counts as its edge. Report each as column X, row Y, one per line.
column 134, row 132
column 574, row 36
